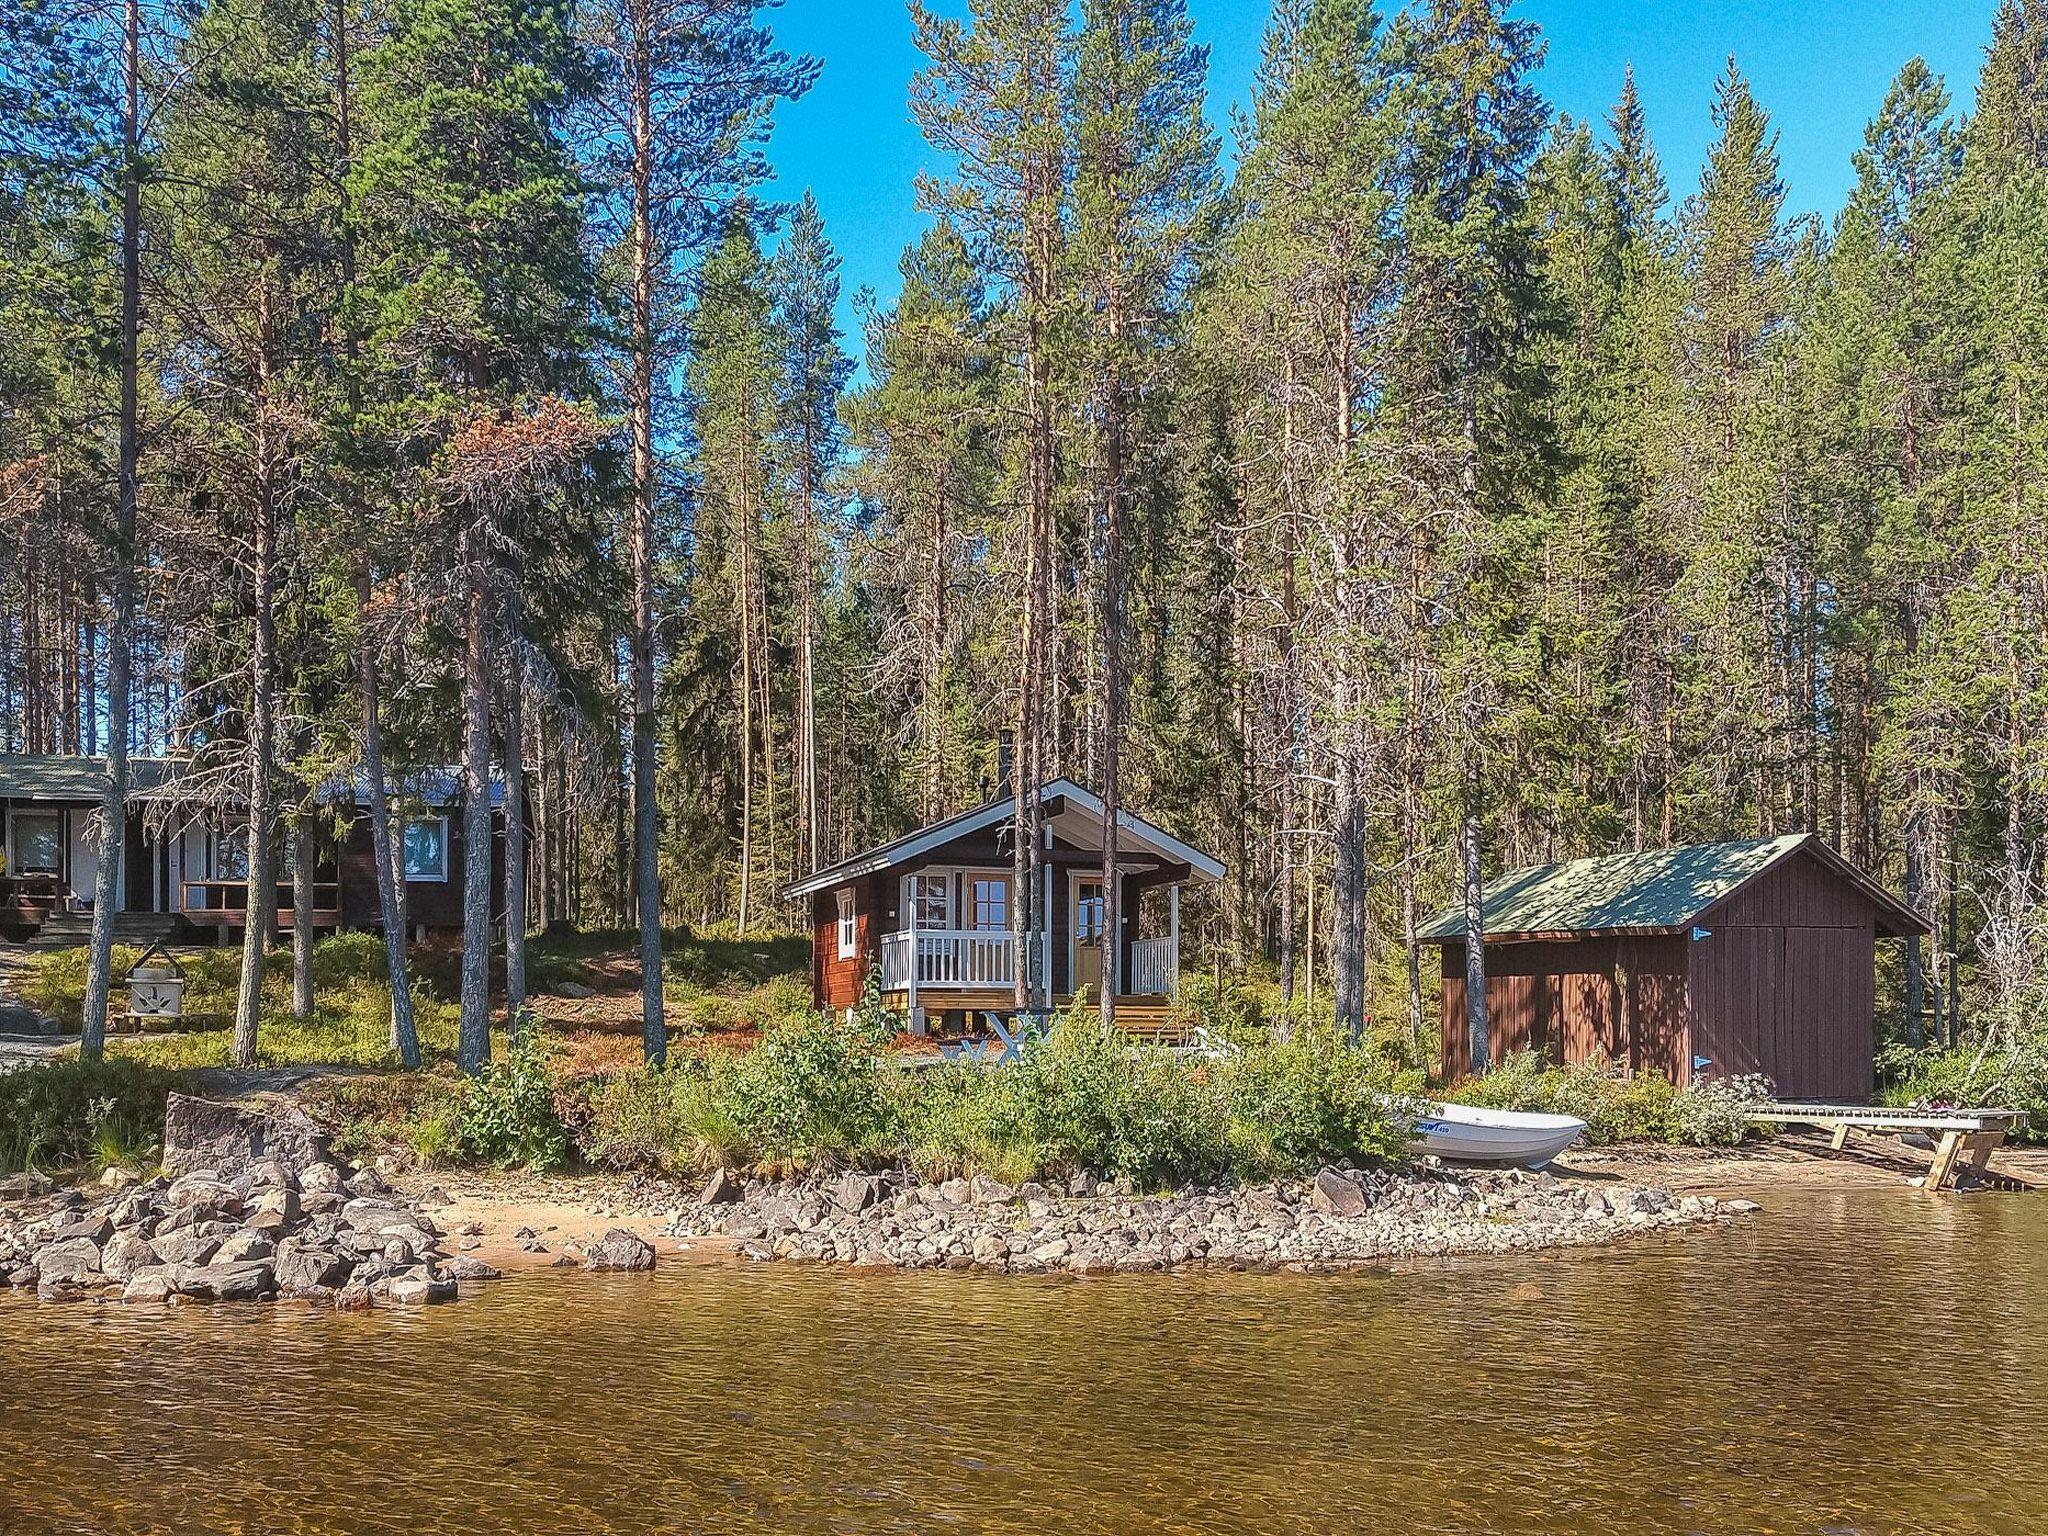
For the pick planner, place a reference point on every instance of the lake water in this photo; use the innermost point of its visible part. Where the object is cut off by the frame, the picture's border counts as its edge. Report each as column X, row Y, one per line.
column 1874, row 1361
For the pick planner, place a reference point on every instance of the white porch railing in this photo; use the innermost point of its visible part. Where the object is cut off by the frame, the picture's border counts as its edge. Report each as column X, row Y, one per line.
column 949, row 958
column 1155, row 967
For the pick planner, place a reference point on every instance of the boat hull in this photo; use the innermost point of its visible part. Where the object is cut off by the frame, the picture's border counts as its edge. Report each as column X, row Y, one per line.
column 1465, row 1133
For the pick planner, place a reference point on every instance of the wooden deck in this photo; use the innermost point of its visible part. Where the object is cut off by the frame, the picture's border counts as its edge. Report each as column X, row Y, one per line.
column 1966, row 1137
column 1152, row 1017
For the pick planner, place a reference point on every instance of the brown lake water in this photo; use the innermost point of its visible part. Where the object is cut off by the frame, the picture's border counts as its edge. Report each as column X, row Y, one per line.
column 1873, row 1361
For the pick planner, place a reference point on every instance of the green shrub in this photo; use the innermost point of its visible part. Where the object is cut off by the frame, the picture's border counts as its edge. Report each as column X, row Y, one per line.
column 420, row 1112
column 811, row 1091
column 1645, row 1107
column 68, row 1113
column 675, row 1119
column 508, row 1117
column 1714, row 1112
column 2015, row 1077
column 1314, row 1097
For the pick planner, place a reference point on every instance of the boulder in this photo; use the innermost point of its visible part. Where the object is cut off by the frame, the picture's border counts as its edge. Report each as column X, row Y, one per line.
column 117, row 1177
column 93, row 1229
column 988, row 1191
column 620, row 1249
column 1335, row 1195
column 310, row 1269
column 233, row 1139
column 228, row 1282
column 245, row 1247
column 189, row 1245
column 320, row 1179
column 270, row 1174
column 25, row 1186
column 463, row 1267
column 157, row 1283
column 417, row 1289
column 376, row 1216
column 124, row 1254
column 855, row 1192
column 721, row 1189
column 74, row 1260
column 204, row 1188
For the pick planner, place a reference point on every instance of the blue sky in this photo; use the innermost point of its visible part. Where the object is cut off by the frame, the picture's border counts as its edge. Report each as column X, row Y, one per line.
column 1820, row 68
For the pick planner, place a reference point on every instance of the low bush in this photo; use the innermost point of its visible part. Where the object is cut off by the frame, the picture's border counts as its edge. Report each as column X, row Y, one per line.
column 508, row 1117
column 2012, row 1077
column 66, row 1114
column 419, row 1113
column 1642, row 1107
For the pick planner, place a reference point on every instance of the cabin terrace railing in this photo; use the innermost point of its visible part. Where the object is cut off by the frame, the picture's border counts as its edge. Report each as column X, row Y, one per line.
column 1155, row 967
column 950, row 958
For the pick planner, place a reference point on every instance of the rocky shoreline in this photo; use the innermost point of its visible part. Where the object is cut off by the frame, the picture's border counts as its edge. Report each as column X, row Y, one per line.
column 251, row 1206
column 1343, row 1218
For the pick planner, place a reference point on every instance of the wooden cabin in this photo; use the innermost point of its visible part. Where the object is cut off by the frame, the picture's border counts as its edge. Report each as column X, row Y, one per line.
column 930, row 912
column 1716, row 960
column 184, row 871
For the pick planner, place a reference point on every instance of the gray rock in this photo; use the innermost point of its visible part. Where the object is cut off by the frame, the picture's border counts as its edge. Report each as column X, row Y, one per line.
column 25, row 1186
column 415, row 1290
column 270, row 1174
column 68, row 1261
column 205, row 1189
column 244, row 1247
column 310, row 1269
column 233, row 1139
column 463, row 1267
column 190, row 1245
column 320, row 1179
column 575, row 991
column 125, row 1253
column 117, row 1178
column 988, row 1191
column 228, row 1282
column 855, row 1192
column 619, row 1249
column 155, row 1284
column 399, row 1254
column 1335, row 1195
column 375, row 1216
column 92, row 1229
column 1741, row 1207
column 721, row 1188
column 366, row 1183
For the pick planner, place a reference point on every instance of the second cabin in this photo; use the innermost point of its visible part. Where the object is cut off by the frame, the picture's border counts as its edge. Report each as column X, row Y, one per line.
column 930, row 914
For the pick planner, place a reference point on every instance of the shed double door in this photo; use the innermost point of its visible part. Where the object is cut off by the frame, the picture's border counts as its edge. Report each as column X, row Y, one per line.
column 1795, row 1004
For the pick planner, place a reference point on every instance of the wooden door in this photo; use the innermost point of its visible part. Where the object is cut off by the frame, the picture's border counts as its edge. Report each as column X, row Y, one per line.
column 1088, row 915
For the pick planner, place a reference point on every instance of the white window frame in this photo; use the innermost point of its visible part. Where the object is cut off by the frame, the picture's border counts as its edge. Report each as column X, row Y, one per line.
column 404, row 862
column 15, row 819
column 945, row 880
column 849, row 925
column 971, row 918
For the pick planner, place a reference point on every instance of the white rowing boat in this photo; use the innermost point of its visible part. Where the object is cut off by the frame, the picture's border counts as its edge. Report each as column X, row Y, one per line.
column 1465, row 1133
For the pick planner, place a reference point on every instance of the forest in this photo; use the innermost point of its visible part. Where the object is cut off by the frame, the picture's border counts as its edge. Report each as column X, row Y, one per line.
column 1419, row 487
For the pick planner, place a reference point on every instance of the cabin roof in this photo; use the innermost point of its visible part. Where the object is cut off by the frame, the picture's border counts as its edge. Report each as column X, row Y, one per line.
column 1661, row 890
column 25, row 776
column 914, row 845
column 71, row 779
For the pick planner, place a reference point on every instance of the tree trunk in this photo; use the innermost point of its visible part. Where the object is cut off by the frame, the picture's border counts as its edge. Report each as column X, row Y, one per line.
column 515, row 834
column 646, row 813
column 120, row 634
column 473, row 1047
column 260, row 900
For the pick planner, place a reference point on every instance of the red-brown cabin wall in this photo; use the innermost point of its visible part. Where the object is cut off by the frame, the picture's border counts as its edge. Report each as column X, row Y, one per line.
column 1785, row 983
column 1572, row 999
column 836, row 981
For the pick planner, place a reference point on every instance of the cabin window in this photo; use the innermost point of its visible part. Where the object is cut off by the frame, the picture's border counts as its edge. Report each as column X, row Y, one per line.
column 1088, row 912
column 849, row 927
column 230, row 856
column 426, row 848
column 931, row 902
column 38, row 843
column 991, row 903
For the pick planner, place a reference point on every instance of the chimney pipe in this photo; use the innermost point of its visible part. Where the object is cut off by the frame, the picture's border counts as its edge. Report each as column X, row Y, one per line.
column 1006, row 755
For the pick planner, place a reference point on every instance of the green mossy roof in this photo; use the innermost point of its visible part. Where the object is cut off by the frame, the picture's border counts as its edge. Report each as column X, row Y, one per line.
column 1662, row 888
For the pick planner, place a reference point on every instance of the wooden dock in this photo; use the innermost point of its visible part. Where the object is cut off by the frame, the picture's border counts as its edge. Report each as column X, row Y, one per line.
column 1964, row 1139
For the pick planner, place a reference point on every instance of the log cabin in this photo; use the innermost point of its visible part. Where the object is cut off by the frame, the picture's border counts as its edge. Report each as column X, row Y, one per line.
column 928, row 916
column 184, row 871
column 1716, row 960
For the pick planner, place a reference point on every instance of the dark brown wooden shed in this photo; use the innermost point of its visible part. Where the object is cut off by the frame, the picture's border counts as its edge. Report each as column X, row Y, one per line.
column 1708, row 961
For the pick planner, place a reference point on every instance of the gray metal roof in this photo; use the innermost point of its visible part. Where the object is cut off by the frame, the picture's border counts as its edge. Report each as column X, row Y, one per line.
column 1655, row 891
column 74, row 779
column 79, row 780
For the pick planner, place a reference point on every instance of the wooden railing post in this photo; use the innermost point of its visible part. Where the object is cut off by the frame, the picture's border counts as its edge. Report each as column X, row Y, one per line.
column 1173, row 933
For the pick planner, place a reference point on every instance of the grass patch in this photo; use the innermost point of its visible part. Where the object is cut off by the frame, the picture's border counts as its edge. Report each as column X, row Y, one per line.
column 71, row 1114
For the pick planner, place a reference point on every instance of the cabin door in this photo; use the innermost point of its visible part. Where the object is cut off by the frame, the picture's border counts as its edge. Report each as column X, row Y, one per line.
column 1088, row 914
